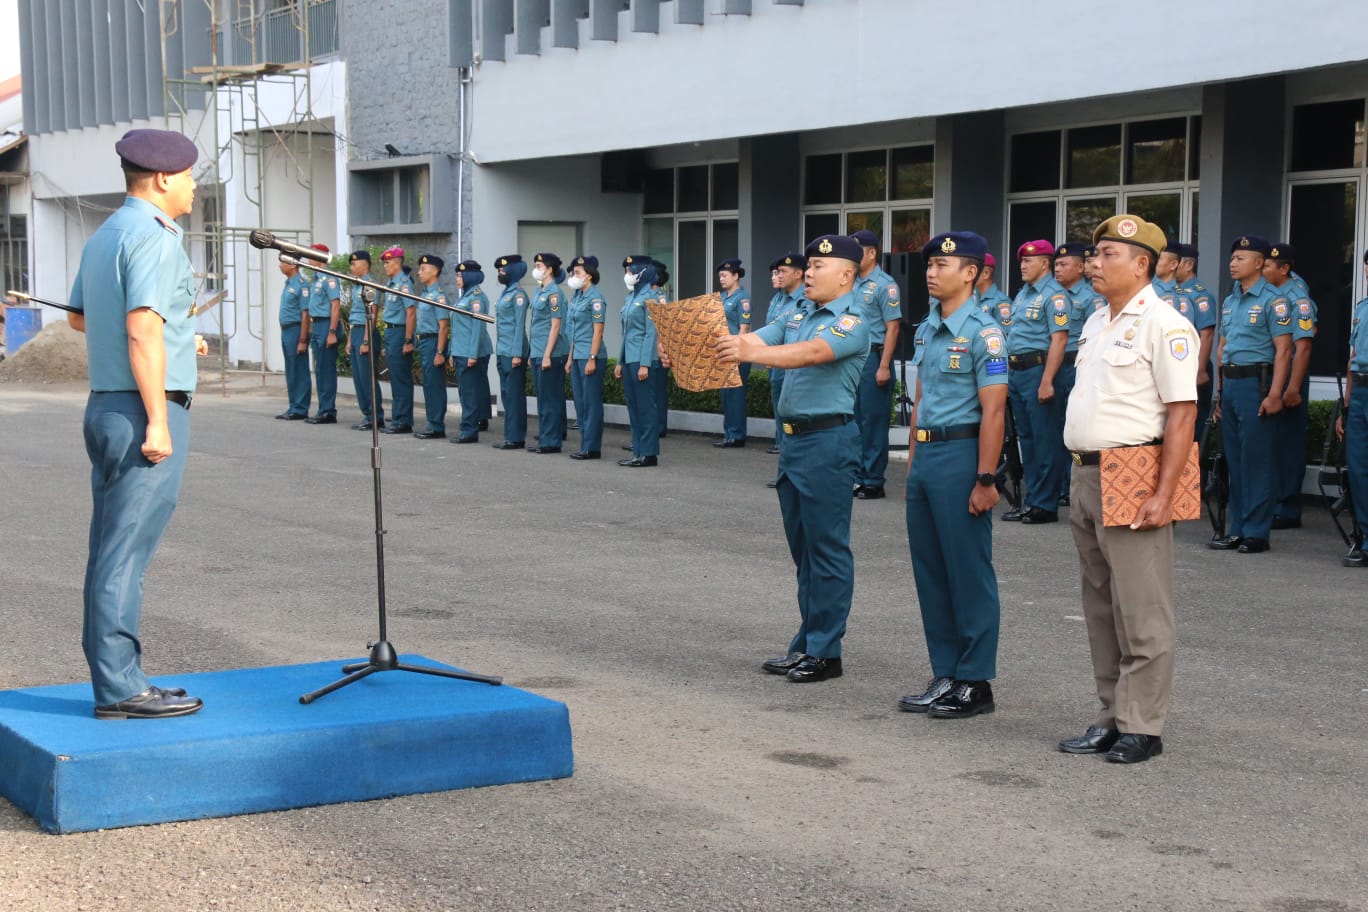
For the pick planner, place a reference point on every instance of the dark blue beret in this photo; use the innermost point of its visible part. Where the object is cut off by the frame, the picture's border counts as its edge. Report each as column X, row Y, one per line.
column 551, row 261
column 588, row 263
column 361, row 255
column 1089, row 252
column 865, row 238
column 469, row 266
column 1251, row 242
column 1184, row 251
column 433, row 260
column 636, row 260
column 835, row 245
column 956, row 243
column 796, row 260
column 157, row 150
column 731, row 264
column 1071, row 248
column 1283, row 253
column 508, row 259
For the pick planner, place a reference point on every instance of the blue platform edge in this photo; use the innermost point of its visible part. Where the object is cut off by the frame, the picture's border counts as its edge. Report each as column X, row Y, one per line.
column 255, row 748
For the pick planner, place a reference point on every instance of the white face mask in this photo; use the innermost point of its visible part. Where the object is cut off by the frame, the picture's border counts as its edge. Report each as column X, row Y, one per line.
column 575, row 282
column 630, row 280
column 538, row 273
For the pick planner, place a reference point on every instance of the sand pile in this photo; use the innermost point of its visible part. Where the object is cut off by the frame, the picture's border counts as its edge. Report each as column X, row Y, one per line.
column 57, row 354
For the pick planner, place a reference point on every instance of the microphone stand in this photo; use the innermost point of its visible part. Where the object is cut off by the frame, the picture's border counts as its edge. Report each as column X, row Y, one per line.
column 383, row 656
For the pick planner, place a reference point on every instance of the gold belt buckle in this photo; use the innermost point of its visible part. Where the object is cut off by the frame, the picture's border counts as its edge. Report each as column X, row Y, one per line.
column 1077, row 458
column 788, row 429
column 923, row 435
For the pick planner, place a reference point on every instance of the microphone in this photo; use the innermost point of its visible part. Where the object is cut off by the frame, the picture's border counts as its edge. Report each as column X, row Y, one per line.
column 260, row 238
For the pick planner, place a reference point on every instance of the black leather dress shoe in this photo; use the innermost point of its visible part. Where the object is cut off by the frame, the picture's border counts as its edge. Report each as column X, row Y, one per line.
column 1228, row 543
column 1253, row 546
column 1135, row 748
column 729, row 444
column 782, row 665
column 291, row 416
column 153, row 703
column 627, row 447
column 965, row 699
column 638, row 462
column 1036, row 516
column 364, row 425
column 772, row 451
column 484, row 424
column 935, row 689
column 542, row 449
column 811, row 668
column 771, row 484
column 321, row 419
column 1096, row 740
column 870, row 492
column 511, row 445
column 1014, row 515
column 430, row 435
column 587, row 454
column 173, row 691
column 1064, row 500
column 474, row 438
column 397, row 429
column 857, row 490
column 1284, row 522
column 1355, row 557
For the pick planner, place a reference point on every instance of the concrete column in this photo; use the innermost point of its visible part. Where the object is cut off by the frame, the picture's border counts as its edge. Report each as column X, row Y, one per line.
column 970, row 178
column 769, row 207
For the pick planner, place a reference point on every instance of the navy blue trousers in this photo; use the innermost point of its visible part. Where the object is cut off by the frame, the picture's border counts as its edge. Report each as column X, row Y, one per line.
column 643, row 409
column 816, row 472
column 1040, row 431
column 1356, row 451
column 297, row 385
column 660, row 389
column 1064, row 384
column 550, row 385
column 734, row 408
column 1249, row 445
column 325, row 367
column 952, row 561
column 588, row 392
column 133, row 501
column 469, row 387
column 513, row 389
column 361, row 373
column 1291, row 458
column 873, row 412
column 434, row 385
column 400, row 376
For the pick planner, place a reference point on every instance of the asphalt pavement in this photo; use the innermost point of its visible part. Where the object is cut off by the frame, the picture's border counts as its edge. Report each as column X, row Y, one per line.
column 646, row 599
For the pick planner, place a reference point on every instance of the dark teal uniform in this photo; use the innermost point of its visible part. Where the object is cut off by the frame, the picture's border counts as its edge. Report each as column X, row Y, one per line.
column 737, row 307
column 587, row 310
column 510, row 314
column 400, row 365
column 660, row 378
column 548, row 303
column 818, row 463
column 1194, row 301
column 434, row 375
column 1291, row 435
column 297, row 385
column 135, row 260
column 323, row 290
column 1081, row 306
column 470, row 339
column 362, row 381
column 1039, row 311
column 1356, row 421
column 1249, row 322
column 781, row 307
column 952, row 549
column 997, row 305
column 638, row 350
column 877, row 296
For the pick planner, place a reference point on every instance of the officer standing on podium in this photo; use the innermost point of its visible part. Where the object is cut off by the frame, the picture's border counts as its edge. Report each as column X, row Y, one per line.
column 822, row 348
column 959, row 416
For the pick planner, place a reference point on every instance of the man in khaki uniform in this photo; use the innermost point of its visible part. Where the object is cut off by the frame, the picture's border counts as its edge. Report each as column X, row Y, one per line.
column 1137, row 384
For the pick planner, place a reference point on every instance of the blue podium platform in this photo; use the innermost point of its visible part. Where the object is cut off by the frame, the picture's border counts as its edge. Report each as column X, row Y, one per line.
column 254, row 747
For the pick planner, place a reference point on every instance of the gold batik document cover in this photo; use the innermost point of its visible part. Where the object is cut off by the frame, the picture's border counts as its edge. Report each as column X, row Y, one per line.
column 1130, row 475
column 688, row 331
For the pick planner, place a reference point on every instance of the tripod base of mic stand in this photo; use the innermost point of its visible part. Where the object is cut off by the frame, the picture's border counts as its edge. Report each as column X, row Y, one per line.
column 384, row 658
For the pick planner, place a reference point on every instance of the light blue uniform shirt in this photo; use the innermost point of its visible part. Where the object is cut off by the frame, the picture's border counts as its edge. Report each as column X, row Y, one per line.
column 877, row 295
column 781, row 307
column 357, row 315
column 1305, row 314
column 548, row 303
column 395, row 306
column 136, row 259
column 1165, row 289
column 290, row 297
column 737, row 307
column 1038, row 311
column 1193, row 301
column 322, row 291
column 511, row 314
column 1358, row 337
column 1250, row 320
column 1082, row 303
column 469, row 337
column 428, row 316
column 1299, row 287
column 586, row 311
column 955, row 357
column 995, row 303
column 822, row 389
column 638, row 329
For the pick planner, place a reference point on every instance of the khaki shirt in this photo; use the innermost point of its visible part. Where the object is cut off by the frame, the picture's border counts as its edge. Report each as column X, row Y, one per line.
column 1128, row 370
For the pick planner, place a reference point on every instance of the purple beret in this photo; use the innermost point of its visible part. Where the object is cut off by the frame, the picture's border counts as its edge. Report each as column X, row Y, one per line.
column 157, row 150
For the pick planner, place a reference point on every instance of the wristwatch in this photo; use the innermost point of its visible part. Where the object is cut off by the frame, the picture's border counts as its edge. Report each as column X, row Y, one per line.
column 987, row 479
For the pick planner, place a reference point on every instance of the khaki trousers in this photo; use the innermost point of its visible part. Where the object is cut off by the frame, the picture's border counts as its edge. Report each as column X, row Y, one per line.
column 1127, row 581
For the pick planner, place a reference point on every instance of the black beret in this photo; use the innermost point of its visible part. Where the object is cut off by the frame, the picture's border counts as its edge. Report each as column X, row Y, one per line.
column 835, row 245
column 550, row 259
column 865, row 238
column 1283, row 253
column 731, row 264
column 588, row 263
column 956, row 243
column 157, row 150
column 469, row 266
column 636, row 259
column 1251, row 242
column 432, row 260
column 508, row 259
column 1186, row 251
column 1071, row 248
column 796, row 260
column 361, row 255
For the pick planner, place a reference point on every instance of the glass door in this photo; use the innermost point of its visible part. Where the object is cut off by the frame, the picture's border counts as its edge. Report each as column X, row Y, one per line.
column 1323, row 217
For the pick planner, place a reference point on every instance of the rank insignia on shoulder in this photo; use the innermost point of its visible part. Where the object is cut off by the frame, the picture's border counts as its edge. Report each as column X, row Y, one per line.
column 598, row 306
column 892, row 294
column 1304, row 308
column 554, row 299
column 993, row 344
column 1178, row 347
column 847, row 322
column 1061, row 319
column 1305, row 325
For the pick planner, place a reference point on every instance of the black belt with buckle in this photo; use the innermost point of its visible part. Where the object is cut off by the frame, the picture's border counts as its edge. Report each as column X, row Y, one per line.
column 1069, row 359
column 1359, row 376
column 1026, row 359
column 1243, row 371
column 876, row 346
column 953, row 432
column 1095, row 457
column 820, row 423
column 425, row 336
column 179, row 397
